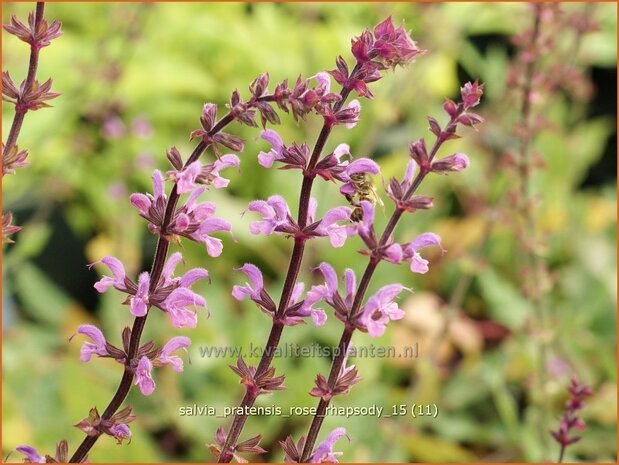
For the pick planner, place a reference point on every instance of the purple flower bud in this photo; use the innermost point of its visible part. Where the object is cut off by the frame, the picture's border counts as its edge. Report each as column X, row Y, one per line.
column 354, row 110
column 209, row 114
column 456, row 162
column 324, row 451
column 471, row 94
column 140, row 301
column 419, row 153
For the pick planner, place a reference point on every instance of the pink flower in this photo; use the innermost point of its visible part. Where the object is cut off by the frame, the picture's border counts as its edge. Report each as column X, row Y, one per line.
column 306, row 309
column 196, row 173
column 266, row 159
column 174, row 344
column 410, row 252
column 120, row 432
column 113, row 128
column 254, row 288
column 380, row 309
column 144, row 202
column 98, row 346
column 225, row 161
column 358, row 166
column 118, row 280
column 355, row 109
column 186, row 179
column 328, row 225
column 32, row 456
column 324, row 451
column 329, row 293
column 175, row 305
column 143, row 377
column 171, row 294
column 275, row 215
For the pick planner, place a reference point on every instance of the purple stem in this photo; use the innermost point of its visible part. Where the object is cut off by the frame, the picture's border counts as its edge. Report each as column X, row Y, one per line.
column 291, row 278
column 21, row 110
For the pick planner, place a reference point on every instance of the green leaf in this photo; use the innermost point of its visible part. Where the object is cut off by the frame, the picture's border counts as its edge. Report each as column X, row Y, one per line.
column 505, row 303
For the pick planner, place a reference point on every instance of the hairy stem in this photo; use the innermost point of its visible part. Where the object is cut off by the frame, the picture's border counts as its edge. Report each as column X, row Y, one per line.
column 292, row 274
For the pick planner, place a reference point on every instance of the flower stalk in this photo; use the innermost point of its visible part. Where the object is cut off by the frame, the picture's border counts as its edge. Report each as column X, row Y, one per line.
column 425, row 161
column 29, row 96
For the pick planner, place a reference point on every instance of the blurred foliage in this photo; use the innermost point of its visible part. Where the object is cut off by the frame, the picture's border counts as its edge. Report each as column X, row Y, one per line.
column 129, row 66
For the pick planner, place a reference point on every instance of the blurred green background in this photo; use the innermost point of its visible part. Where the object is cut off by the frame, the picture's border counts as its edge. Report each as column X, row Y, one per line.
column 133, row 78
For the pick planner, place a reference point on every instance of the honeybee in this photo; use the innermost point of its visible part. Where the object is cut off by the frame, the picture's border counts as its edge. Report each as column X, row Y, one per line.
column 365, row 190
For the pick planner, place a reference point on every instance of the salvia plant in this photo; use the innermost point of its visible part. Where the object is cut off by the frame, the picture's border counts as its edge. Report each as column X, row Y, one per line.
column 176, row 211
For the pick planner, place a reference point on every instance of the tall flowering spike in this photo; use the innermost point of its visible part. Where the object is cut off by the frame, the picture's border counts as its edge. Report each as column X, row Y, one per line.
column 380, row 309
column 324, row 451
column 571, row 420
